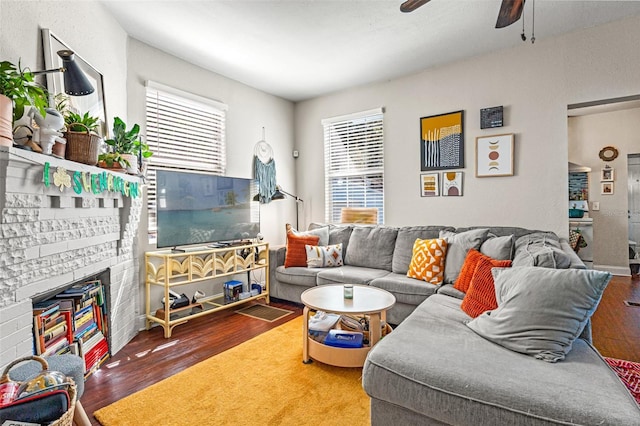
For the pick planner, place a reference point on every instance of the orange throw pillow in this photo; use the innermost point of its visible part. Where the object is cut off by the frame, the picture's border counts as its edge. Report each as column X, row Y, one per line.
column 467, row 270
column 427, row 261
column 296, row 251
column 481, row 295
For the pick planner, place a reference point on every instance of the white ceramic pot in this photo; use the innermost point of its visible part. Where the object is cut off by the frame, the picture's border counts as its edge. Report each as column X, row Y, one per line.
column 133, row 163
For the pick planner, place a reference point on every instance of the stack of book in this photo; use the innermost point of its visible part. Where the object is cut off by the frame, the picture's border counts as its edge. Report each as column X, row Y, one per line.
column 86, row 304
column 52, row 327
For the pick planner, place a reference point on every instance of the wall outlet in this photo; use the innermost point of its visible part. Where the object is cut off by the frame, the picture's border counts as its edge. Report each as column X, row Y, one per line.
column 595, row 206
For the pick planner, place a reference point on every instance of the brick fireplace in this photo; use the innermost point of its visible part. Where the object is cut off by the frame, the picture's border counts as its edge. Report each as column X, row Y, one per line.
column 51, row 236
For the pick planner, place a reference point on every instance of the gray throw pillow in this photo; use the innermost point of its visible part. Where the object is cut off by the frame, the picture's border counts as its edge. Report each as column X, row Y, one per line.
column 499, row 248
column 541, row 311
column 322, row 233
column 371, row 247
column 457, row 247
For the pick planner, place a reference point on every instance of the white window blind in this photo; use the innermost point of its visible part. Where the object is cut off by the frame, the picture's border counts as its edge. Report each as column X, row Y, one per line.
column 185, row 132
column 354, row 163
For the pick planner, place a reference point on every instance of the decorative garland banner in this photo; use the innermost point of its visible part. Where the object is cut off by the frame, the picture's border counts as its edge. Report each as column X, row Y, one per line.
column 95, row 183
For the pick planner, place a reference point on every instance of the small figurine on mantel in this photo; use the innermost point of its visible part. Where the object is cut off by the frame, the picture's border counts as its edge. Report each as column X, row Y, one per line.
column 49, row 129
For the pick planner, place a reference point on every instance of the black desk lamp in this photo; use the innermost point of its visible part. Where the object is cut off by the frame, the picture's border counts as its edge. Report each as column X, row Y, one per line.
column 280, row 195
column 76, row 82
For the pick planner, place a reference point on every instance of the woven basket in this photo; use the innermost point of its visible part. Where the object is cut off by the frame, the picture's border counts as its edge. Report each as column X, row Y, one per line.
column 82, row 147
column 67, row 418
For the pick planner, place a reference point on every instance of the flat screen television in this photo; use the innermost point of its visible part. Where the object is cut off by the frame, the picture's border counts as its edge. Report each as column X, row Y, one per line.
column 198, row 208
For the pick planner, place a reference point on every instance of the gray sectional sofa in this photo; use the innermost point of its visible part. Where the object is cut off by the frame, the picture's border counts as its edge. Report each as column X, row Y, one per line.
column 434, row 368
column 380, row 256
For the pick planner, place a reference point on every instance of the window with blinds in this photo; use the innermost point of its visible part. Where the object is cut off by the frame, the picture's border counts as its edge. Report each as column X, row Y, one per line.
column 185, row 132
column 354, row 163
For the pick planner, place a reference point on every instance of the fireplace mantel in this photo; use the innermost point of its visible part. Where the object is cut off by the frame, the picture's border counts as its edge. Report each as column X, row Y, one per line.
column 84, row 221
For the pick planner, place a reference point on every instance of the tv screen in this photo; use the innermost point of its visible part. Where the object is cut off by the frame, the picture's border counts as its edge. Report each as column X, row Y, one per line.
column 196, row 208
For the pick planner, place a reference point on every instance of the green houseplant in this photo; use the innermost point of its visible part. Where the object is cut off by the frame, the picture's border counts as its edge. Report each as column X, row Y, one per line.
column 18, row 90
column 125, row 146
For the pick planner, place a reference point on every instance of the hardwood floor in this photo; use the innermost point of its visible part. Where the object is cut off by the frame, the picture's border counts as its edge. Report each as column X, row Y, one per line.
column 616, row 326
column 149, row 357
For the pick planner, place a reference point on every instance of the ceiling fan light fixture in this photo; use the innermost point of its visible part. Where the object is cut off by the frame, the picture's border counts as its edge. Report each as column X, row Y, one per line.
column 411, row 5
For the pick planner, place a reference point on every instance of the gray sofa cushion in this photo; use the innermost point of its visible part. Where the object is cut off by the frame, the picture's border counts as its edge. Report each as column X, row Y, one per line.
column 499, row 248
column 434, row 365
column 540, row 249
column 458, row 244
column 297, row 275
column 338, row 234
column 321, row 231
column 371, row 247
column 405, row 289
column 448, row 290
column 541, row 311
column 407, row 235
column 349, row 274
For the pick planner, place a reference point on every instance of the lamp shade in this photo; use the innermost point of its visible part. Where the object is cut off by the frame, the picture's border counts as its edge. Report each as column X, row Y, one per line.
column 75, row 80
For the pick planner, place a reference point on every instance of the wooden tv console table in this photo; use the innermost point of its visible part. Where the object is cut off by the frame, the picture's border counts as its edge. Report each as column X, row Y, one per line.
column 171, row 269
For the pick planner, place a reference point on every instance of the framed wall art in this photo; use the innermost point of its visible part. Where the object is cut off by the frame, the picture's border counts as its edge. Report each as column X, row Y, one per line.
column 494, row 155
column 606, row 188
column 93, row 103
column 430, row 184
column 452, row 184
column 607, row 174
column 442, row 141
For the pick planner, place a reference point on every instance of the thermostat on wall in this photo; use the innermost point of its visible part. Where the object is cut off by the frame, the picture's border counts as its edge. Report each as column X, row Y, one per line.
column 491, row 117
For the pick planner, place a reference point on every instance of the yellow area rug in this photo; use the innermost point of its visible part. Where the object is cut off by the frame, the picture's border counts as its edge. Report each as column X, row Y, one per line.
column 262, row 381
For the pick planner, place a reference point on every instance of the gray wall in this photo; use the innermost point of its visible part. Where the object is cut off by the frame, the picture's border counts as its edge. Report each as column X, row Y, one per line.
column 535, row 83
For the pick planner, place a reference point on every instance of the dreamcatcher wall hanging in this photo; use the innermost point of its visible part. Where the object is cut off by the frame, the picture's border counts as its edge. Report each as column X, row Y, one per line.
column 264, row 170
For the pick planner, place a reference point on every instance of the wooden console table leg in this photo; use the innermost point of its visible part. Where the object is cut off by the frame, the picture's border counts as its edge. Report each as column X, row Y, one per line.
column 80, row 417
column 305, row 336
column 374, row 329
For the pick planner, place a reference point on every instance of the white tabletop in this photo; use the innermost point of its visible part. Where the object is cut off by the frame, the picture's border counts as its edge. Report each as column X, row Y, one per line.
column 330, row 298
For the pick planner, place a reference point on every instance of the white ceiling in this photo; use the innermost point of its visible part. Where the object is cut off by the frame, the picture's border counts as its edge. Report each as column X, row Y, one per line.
column 300, row 49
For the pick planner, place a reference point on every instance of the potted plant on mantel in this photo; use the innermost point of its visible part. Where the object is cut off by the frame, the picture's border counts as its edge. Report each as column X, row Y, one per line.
column 125, row 146
column 18, row 89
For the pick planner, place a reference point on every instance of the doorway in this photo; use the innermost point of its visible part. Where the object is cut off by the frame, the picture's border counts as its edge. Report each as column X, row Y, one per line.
column 593, row 128
column 633, row 173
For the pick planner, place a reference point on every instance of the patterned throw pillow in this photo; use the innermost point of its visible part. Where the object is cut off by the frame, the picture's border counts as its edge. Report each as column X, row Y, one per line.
column 296, row 253
column 481, row 296
column 427, row 262
column 467, row 270
column 324, row 256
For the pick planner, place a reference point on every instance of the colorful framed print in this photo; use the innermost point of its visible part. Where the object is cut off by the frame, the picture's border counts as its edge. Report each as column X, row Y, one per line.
column 452, row 184
column 442, row 141
column 606, row 188
column 494, row 155
column 430, row 184
column 607, row 174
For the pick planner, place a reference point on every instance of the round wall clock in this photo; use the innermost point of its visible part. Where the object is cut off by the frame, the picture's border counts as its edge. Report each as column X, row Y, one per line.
column 608, row 153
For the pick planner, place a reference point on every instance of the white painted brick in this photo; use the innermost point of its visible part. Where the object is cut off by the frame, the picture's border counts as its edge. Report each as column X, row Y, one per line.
column 15, row 215
column 33, row 289
column 20, row 308
column 20, row 200
column 16, row 323
column 49, row 249
column 32, row 253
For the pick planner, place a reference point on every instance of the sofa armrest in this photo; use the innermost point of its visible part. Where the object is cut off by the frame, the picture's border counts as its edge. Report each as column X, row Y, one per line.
column 276, row 258
column 576, row 262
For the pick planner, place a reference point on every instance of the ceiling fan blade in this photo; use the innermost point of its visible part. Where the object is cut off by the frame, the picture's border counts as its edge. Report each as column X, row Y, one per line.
column 510, row 12
column 411, row 5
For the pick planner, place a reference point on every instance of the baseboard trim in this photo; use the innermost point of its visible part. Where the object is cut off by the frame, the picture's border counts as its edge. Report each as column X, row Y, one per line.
column 615, row 270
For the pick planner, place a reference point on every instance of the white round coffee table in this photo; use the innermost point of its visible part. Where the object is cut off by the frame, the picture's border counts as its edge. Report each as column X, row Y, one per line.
column 366, row 300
